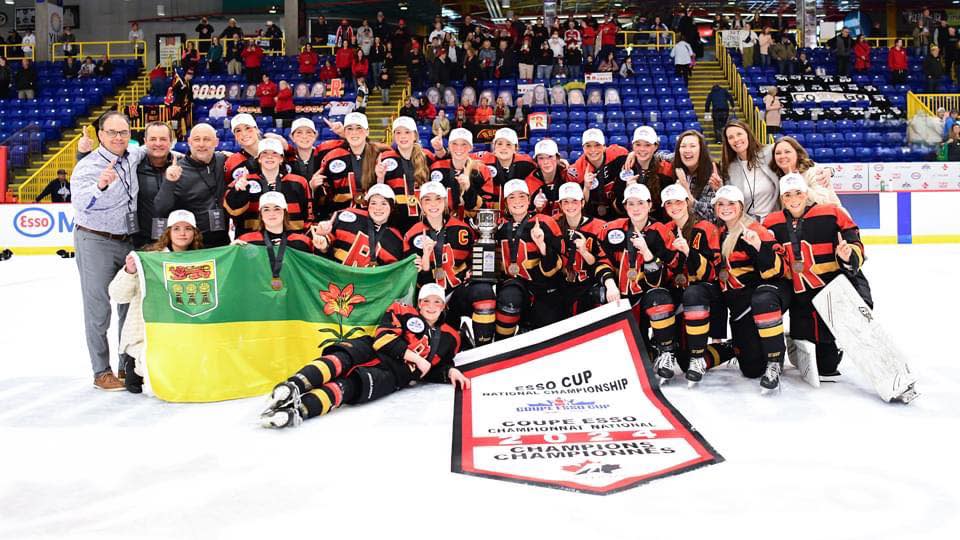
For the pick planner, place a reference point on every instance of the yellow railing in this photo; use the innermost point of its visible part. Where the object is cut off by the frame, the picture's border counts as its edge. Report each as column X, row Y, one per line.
column 929, row 103
column 14, row 51
column 96, row 49
column 653, row 39
column 130, row 96
column 404, row 97
column 879, row 41
column 740, row 91
column 195, row 42
column 65, row 159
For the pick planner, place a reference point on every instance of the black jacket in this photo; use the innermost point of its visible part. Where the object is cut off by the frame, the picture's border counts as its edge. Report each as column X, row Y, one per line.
column 932, row 67
column 149, row 180
column 54, row 189
column 200, row 190
column 26, row 79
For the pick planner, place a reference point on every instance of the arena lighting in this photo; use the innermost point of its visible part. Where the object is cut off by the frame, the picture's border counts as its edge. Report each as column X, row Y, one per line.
column 9, row 2
column 272, row 10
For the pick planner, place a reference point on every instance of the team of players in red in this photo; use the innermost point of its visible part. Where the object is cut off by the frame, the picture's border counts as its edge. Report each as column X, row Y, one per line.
column 570, row 237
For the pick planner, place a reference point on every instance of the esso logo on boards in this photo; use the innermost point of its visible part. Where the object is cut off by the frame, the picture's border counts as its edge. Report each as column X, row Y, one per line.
column 34, row 222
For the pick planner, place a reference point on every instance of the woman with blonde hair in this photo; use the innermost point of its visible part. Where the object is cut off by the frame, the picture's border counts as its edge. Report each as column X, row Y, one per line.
column 180, row 234
column 405, row 168
column 789, row 156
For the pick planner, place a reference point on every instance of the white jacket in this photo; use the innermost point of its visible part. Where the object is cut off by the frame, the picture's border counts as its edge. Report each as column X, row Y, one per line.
column 125, row 289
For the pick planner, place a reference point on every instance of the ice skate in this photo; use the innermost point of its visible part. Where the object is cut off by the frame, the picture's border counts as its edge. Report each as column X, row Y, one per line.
column 666, row 366
column 694, row 374
column 771, row 378
column 285, row 394
column 909, row 395
column 281, row 418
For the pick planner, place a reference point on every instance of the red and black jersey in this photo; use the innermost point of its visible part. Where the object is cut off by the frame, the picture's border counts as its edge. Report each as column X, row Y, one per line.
column 601, row 190
column 450, row 258
column 539, row 188
column 342, row 170
column 402, row 329
column 633, row 274
column 400, row 177
column 657, row 175
column 237, row 160
column 703, row 261
column 521, row 167
column 464, row 204
column 575, row 268
column 747, row 266
column 356, row 241
column 521, row 258
column 307, row 168
column 810, row 244
column 295, row 240
column 244, row 205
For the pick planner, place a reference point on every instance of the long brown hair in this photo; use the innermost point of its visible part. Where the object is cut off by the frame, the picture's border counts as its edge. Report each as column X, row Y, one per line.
column 164, row 242
column 729, row 156
column 704, row 163
column 287, row 226
column 368, row 167
column 804, row 162
column 421, row 170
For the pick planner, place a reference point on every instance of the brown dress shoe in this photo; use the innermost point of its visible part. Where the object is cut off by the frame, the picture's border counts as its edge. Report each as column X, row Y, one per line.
column 108, row 382
column 121, row 374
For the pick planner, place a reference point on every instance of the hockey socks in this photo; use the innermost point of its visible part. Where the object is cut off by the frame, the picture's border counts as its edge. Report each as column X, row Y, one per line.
column 329, row 396
column 318, row 372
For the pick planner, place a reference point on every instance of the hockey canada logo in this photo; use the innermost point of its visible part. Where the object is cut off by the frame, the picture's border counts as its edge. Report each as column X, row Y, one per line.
column 191, row 288
column 591, row 467
column 560, row 404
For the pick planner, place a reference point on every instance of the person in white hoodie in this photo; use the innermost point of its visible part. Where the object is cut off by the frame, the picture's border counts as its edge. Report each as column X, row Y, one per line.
column 181, row 234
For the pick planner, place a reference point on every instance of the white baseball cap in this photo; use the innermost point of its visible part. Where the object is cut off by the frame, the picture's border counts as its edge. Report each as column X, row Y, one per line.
column 432, row 289
column 673, row 192
column 269, row 144
column 646, row 134
column 379, row 189
column 461, row 135
column 546, row 147
column 570, row 190
column 514, row 186
column 404, row 122
column 433, row 187
column 356, row 119
column 729, row 192
column 636, row 191
column 242, row 119
column 181, row 216
column 303, row 122
column 593, row 135
column 273, row 197
column 793, row 182
column 508, row 134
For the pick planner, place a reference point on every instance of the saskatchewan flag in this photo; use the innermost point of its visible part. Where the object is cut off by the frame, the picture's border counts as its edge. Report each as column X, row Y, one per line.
column 216, row 329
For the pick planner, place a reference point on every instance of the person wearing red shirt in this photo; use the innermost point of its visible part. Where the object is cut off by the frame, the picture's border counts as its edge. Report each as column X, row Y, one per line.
column 344, row 59
column 328, row 72
column 589, row 35
column 608, row 37
column 285, row 108
column 360, row 67
column 308, row 60
column 252, row 58
column 267, row 93
column 861, row 54
column 897, row 63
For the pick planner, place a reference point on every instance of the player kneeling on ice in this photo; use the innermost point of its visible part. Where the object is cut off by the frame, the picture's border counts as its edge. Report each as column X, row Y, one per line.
column 753, row 278
column 410, row 344
column 820, row 241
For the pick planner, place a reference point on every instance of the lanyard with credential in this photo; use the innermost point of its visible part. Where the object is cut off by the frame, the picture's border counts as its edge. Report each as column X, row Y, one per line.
column 276, row 259
column 122, row 175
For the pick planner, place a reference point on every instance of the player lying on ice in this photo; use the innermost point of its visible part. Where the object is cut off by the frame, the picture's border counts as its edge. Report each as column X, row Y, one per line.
column 409, row 345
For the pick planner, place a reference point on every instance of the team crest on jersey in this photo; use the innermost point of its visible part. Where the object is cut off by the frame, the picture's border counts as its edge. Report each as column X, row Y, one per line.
column 493, row 171
column 347, row 216
column 626, row 174
column 254, row 187
column 616, row 237
column 436, row 176
column 337, row 166
column 572, row 172
column 595, row 183
column 415, row 325
column 191, row 287
column 418, row 241
column 240, row 172
column 390, row 164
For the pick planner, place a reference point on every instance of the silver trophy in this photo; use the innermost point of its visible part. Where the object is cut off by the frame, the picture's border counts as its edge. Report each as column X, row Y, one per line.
column 483, row 268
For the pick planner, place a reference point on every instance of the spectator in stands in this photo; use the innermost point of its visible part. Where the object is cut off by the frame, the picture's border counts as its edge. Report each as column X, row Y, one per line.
column 190, row 58
column 29, row 42
column 950, row 51
column 897, row 63
column 204, row 33
column 608, row 64
column 267, row 94
column 843, row 50
column 344, row 59
column 232, row 37
column 284, row 108
column 275, row 34
column 607, row 35
column 158, row 81
column 571, row 35
column 88, row 68
column 948, row 121
column 359, row 67
column 525, row 61
column 804, row 67
column 6, row 78
column 765, row 40
column 556, row 44
column 328, row 72
column 687, row 29
column 26, row 80
column 104, row 67
column 363, row 93
column 659, row 26
column 427, row 112
column 861, row 55
column 377, row 58
column 573, row 58
column 484, row 113
column 488, row 59
column 307, row 62
column 69, row 41
column 589, row 33
column 933, row 70
column 252, row 57
column 683, row 58
column 415, row 66
column 747, row 40
column 381, row 29
column 951, row 148
column 543, row 60
column 320, row 32
column 772, row 108
column 400, row 41
column 501, row 113
column 410, row 108
column 441, row 125
column 58, row 189
column 784, row 53
column 520, row 113
column 626, row 69
column 214, row 57
column 921, row 39
column 14, row 38
column 135, row 37
column 720, row 101
column 71, row 68
column 344, row 34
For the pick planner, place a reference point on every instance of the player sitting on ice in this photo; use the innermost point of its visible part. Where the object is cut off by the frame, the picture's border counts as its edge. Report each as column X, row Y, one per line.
column 410, row 344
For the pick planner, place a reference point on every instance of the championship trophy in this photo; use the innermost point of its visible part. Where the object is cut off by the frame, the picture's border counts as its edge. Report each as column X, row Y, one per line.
column 483, row 268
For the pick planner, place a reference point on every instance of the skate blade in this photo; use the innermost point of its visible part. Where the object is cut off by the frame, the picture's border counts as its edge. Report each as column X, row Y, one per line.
column 663, row 380
column 909, row 395
column 764, row 391
column 692, row 384
column 272, row 420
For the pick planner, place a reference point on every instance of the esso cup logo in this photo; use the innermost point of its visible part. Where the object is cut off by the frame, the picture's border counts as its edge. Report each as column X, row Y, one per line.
column 33, row 222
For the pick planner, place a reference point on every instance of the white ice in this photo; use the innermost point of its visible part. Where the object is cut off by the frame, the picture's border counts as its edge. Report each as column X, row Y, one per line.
column 832, row 463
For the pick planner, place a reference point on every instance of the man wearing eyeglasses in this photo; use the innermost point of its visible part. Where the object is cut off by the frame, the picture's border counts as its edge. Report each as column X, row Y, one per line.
column 104, row 196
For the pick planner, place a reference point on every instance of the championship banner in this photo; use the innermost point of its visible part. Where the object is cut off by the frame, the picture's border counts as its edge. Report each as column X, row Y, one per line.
column 571, row 406
column 218, row 327
column 598, row 77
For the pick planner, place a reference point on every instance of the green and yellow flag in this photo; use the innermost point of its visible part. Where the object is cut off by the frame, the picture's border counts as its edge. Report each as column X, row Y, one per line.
column 216, row 329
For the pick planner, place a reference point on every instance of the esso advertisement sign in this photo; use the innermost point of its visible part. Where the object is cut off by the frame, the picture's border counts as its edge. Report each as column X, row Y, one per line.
column 36, row 226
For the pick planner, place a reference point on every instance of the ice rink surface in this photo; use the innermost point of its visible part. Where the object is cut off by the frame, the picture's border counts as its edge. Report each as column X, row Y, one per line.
column 833, row 463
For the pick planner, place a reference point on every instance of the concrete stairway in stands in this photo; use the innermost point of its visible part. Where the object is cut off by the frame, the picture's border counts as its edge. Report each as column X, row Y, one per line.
column 378, row 114
column 705, row 75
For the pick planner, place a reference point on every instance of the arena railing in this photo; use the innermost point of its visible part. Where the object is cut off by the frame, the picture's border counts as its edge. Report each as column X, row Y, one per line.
column 96, row 49
column 880, row 41
column 404, row 97
column 741, row 92
column 649, row 39
column 262, row 42
column 929, row 103
column 14, row 51
column 65, row 159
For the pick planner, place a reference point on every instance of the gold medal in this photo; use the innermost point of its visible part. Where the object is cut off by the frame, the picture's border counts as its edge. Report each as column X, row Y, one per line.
column 438, row 274
column 276, row 284
column 680, row 281
column 569, row 275
column 514, row 269
column 724, row 275
column 632, row 274
column 798, row 266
